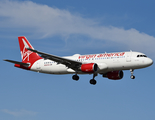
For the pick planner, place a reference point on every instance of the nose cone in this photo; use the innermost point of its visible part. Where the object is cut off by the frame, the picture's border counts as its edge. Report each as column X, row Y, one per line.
column 149, row 62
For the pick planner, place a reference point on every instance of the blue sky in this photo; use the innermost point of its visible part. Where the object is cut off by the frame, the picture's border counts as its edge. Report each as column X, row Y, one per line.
column 66, row 28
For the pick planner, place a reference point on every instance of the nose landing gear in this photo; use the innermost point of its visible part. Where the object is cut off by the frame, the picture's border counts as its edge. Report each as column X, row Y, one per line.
column 132, row 76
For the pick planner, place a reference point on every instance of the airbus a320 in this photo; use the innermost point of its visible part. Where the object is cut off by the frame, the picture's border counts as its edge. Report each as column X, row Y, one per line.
column 109, row 65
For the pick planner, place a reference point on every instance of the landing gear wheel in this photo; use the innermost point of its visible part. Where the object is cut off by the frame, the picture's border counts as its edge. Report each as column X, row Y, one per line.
column 92, row 81
column 75, row 77
column 132, row 77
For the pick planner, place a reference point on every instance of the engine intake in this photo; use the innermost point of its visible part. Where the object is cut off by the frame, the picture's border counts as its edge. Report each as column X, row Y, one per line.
column 89, row 68
column 114, row 75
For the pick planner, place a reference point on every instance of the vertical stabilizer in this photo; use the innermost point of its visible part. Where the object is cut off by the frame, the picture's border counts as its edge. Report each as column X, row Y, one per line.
column 27, row 56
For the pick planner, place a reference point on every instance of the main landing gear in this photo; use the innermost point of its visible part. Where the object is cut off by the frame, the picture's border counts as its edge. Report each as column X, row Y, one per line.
column 132, row 76
column 92, row 81
column 75, row 77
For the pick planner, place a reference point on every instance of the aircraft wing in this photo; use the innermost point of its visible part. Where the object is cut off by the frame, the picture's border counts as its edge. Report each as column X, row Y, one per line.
column 60, row 60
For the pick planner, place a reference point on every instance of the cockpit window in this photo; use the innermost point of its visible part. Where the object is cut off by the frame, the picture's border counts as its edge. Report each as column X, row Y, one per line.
column 145, row 56
column 141, row 56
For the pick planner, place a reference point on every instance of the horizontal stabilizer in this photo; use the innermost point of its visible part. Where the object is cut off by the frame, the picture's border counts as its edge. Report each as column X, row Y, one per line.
column 16, row 62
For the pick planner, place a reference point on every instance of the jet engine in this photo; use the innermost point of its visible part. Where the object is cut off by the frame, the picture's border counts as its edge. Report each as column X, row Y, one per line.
column 89, row 67
column 114, row 75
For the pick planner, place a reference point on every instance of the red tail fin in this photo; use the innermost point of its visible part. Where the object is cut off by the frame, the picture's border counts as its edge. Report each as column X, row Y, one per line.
column 27, row 56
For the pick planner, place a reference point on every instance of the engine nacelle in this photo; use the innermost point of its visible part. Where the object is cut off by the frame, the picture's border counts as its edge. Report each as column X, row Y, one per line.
column 114, row 75
column 89, row 68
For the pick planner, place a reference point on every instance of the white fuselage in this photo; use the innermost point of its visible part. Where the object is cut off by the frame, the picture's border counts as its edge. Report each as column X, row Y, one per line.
column 106, row 62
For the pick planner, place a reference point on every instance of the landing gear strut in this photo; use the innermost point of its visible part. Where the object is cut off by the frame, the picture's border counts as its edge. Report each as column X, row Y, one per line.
column 132, row 76
column 93, row 81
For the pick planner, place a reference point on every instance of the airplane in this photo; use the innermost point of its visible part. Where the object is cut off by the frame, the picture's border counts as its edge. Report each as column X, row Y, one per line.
column 109, row 65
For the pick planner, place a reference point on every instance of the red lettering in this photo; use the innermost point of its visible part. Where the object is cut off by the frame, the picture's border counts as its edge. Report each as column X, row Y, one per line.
column 116, row 54
column 121, row 54
column 108, row 55
column 112, row 54
column 100, row 55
